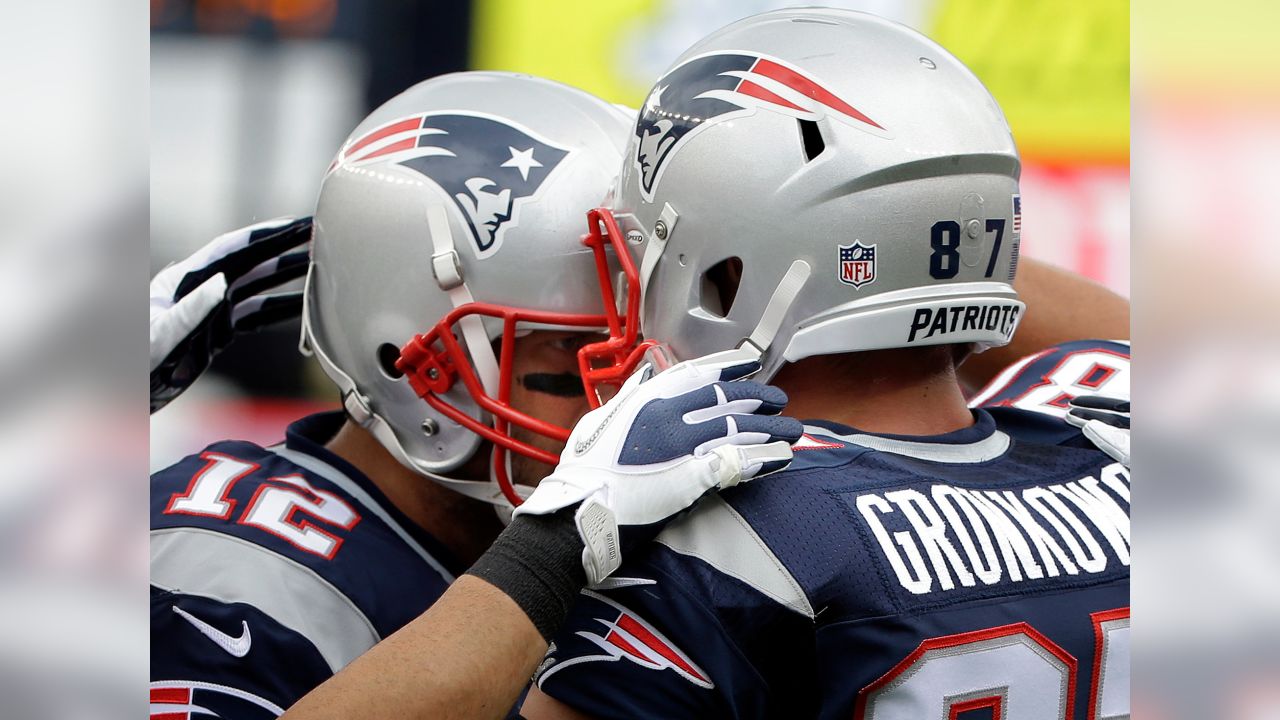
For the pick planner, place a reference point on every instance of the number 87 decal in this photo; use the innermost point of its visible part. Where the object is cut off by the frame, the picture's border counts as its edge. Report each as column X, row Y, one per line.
column 1011, row 671
column 944, row 239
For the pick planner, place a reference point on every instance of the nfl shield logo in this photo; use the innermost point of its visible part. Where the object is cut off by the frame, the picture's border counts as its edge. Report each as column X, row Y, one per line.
column 857, row 264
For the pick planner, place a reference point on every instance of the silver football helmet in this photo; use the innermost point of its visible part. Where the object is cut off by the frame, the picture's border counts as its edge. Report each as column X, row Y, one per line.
column 856, row 177
column 450, row 219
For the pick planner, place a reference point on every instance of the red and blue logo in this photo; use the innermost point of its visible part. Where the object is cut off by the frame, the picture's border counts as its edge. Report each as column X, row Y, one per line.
column 712, row 88
column 488, row 165
column 624, row 636
column 857, row 264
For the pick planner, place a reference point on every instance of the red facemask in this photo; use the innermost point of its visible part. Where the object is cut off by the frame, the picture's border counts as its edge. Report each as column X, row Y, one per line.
column 434, row 361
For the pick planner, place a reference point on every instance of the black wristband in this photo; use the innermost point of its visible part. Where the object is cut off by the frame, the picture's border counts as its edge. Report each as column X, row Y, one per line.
column 537, row 562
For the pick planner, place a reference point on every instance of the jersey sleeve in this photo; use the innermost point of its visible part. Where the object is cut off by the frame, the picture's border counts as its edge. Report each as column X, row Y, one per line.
column 646, row 649
column 1047, row 381
column 266, row 579
column 223, row 659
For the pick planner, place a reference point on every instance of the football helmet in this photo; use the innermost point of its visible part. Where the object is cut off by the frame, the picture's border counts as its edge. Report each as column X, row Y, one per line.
column 449, row 222
column 817, row 181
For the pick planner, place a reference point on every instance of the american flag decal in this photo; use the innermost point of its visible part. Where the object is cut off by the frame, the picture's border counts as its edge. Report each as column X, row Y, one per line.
column 1017, row 236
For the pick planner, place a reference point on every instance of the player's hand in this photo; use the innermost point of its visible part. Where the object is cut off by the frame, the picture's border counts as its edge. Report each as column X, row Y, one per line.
column 1105, row 421
column 199, row 304
column 660, row 444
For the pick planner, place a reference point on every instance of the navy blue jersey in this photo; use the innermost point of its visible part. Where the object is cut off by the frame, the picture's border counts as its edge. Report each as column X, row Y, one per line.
column 271, row 569
column 979, row 574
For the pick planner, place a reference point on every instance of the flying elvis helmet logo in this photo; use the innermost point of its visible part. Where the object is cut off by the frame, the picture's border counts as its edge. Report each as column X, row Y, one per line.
column 719, row 86
column 489, row 166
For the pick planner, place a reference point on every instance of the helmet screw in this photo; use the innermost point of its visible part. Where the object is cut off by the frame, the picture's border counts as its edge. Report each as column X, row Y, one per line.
column 429, row 427
column 660, row 230
column 973, row 227
column 433, row 373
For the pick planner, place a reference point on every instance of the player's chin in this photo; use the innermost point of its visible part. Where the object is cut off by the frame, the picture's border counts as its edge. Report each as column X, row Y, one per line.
column 528, row 471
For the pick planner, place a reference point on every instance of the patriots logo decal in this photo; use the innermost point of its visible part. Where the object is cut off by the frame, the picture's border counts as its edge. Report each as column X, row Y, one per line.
column 719, row 86
column 489, row 166
column 623, row 635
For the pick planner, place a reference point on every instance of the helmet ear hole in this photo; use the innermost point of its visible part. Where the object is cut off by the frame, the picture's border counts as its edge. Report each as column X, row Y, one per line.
column 388, row 354
column 811, row 139
column 720, row 286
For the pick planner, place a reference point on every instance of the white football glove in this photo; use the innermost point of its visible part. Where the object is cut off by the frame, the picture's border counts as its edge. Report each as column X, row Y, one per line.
column 198, row 305
column 659, row 445
column 1105, row 421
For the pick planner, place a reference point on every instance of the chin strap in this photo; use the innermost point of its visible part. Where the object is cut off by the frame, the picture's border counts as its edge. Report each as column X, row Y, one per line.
column 448, row 271
column 784, row 295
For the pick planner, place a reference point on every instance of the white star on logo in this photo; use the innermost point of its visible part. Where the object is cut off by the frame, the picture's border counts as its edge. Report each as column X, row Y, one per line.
column 522, row 160
column 655, row 98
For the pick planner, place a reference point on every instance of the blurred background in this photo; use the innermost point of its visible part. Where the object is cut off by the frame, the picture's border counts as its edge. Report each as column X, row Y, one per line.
column 250, row 100
column 1206, row 104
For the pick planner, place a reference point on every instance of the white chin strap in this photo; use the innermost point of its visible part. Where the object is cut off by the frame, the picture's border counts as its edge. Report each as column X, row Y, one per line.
column 448, row 271
column 784, row 295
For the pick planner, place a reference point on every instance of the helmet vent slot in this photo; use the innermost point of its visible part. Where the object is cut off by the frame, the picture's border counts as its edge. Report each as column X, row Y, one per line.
column 811, row 139
column 388, row 354
column 720, row 286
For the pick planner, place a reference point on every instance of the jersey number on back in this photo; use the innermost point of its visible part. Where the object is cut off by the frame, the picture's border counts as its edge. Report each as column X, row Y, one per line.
column 1013, row 671
column 273, row 508
column 1083, row 372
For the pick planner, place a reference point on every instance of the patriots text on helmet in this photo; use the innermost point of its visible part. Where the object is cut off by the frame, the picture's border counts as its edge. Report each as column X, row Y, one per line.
column 928, row 322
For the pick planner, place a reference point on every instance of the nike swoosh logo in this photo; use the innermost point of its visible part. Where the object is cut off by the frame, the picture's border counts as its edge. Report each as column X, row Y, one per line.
column 237, row 647
column 584, row 445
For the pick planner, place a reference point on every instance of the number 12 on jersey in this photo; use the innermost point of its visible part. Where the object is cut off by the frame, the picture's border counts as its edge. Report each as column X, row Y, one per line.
column 273, row 506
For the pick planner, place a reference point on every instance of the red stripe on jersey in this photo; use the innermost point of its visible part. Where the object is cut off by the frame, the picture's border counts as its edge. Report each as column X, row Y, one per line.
column 171, row 695
column 993, row 703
